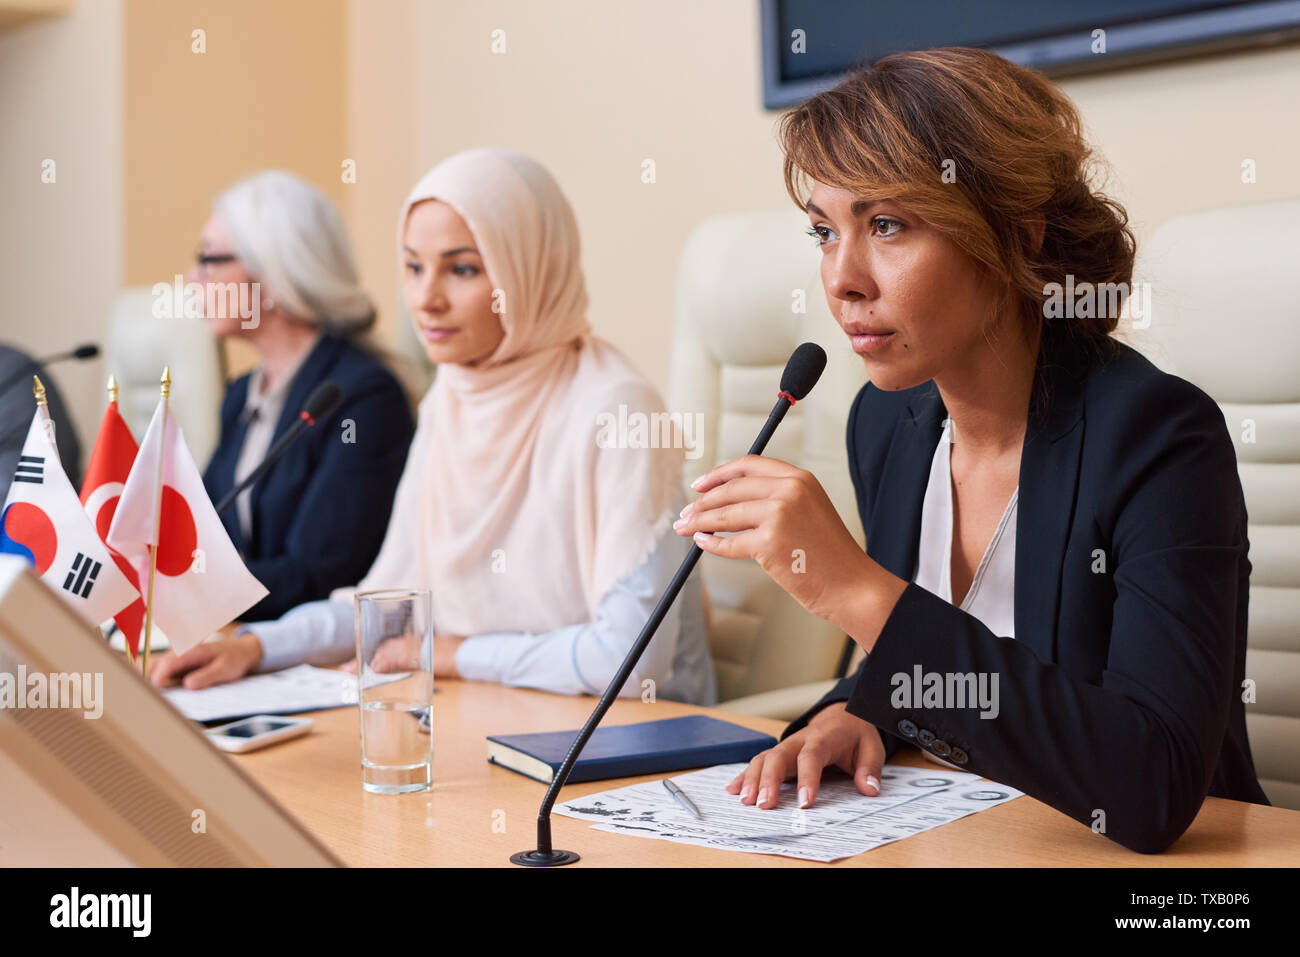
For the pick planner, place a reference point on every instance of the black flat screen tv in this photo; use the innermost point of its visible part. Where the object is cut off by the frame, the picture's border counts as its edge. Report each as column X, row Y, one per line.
column 809, row 45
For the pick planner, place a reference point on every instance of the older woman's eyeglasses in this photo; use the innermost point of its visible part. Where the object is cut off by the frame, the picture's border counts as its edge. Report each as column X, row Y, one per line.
column 204, row 260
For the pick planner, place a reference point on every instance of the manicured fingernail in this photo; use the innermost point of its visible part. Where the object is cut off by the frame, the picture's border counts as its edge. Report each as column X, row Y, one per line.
column 679, row 524
column 762, row 796
column 805, row 797
column 701, row 537
column 686, row 511
column 697, row 482
column 873, row 781
column 744, row 793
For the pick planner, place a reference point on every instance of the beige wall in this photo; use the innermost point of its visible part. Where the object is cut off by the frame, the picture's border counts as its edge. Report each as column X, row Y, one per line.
column 382, row 131
column 267, row 92
column 1175, row 135
column 146, row 132
column 592, row 88
column 61, row 242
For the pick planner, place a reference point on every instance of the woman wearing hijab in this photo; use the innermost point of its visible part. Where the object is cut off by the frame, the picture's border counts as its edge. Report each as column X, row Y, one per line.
column 1054, row 593
column 545, row 547
column 281, row 241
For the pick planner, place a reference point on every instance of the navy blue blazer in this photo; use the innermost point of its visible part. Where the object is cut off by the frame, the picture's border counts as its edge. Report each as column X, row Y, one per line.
column 320, row 512
column 1121, row 691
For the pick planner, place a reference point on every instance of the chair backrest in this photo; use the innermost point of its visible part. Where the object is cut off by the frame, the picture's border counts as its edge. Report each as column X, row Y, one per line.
column 139, row 345
column 748, row 292
column 1225, row 315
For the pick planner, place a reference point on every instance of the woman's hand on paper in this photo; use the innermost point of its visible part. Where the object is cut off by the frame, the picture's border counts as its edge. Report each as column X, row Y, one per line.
column 832, row 737
column 208, row 663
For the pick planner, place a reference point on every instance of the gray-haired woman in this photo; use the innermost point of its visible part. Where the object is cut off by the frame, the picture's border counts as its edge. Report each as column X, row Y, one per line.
column 279, row 275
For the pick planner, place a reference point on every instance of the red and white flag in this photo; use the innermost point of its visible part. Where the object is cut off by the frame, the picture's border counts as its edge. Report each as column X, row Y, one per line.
column 201, row 582
column 110, row 464
column 43, row 522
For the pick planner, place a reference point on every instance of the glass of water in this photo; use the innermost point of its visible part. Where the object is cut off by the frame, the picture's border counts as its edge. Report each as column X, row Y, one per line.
column 395, row 689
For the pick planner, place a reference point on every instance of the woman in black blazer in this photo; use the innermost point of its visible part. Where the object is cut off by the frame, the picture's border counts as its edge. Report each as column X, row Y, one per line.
column 315, row 520
column 951, row 201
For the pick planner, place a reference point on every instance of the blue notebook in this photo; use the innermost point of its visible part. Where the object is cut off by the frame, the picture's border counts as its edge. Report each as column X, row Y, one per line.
column 628, row 750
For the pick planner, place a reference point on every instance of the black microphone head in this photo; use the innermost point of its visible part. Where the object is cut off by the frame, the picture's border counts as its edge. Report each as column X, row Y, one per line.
column 324, row 399
column 88, row 351
column 803, row 370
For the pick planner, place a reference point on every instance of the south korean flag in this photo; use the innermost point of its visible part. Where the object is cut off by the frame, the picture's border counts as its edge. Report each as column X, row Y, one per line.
column 43, row 522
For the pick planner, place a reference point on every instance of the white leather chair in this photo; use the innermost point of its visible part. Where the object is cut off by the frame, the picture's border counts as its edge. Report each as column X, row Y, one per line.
column 748, row 292
column 1225, row 316
column 139, row 345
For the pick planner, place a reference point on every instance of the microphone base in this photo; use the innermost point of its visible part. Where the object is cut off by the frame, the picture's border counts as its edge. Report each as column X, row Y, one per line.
column 536, row 858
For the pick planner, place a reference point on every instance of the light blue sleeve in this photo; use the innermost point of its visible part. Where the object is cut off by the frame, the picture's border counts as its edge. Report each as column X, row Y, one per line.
column 583, row 658
column 314, row 633
column 577, row 659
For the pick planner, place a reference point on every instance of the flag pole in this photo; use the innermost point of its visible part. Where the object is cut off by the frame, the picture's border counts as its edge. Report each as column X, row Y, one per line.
column 38, row 390
column 112, row 400
column 166, row 384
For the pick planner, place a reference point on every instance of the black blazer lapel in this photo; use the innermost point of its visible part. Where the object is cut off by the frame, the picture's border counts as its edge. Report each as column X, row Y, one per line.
column 222, row 466
column 1049, row 481
column 1049, row 477
column 314, row 368
column 309, row 375
column 894, row 537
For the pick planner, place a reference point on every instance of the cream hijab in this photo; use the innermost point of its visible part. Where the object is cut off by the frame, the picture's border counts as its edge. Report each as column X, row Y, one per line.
column 509, row 510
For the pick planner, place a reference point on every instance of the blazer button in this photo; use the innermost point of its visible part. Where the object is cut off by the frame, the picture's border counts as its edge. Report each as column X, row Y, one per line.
column 907, row 729
column 959, row 756
column 941, row 748
column 925, row 737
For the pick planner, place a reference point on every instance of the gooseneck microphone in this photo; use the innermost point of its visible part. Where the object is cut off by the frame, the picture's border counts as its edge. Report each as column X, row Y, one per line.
column 29, row 366
column 82, row 352
column 801, row 373
column 323, row 400
column 87, row 351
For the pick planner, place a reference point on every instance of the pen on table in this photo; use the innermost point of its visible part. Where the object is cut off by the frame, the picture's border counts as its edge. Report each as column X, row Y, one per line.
column 680, row 797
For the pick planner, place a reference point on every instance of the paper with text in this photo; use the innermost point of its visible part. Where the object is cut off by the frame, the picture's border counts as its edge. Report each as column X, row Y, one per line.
column 840, row 824
column 302, row 688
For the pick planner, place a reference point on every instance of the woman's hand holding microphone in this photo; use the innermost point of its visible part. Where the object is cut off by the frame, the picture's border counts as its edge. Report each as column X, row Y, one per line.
column 781, row 517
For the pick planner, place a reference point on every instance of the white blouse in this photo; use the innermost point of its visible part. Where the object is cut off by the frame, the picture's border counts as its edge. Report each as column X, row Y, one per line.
column 262, row 413
column 991, row 597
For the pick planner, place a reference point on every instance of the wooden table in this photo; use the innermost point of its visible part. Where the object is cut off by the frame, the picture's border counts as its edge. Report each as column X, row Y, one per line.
column 479, row 814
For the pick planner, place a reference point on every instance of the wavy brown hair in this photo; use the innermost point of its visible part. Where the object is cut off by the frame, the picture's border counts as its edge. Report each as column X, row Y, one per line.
column 1016, row 148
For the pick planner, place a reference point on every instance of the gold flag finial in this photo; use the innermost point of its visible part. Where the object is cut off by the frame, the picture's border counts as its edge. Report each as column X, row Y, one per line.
column 38, row 390
column 112, row 388
column 166, row 381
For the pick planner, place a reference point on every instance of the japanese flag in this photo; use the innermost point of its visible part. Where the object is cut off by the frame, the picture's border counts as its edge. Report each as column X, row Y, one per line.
column 201, row 582
column 43, row 522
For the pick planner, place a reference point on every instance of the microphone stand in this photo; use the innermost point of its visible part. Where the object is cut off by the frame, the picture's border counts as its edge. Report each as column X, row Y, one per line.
column 318, row 407
column 544, row 855
column 30, row 365
column 36, row 366
column 297, row 428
